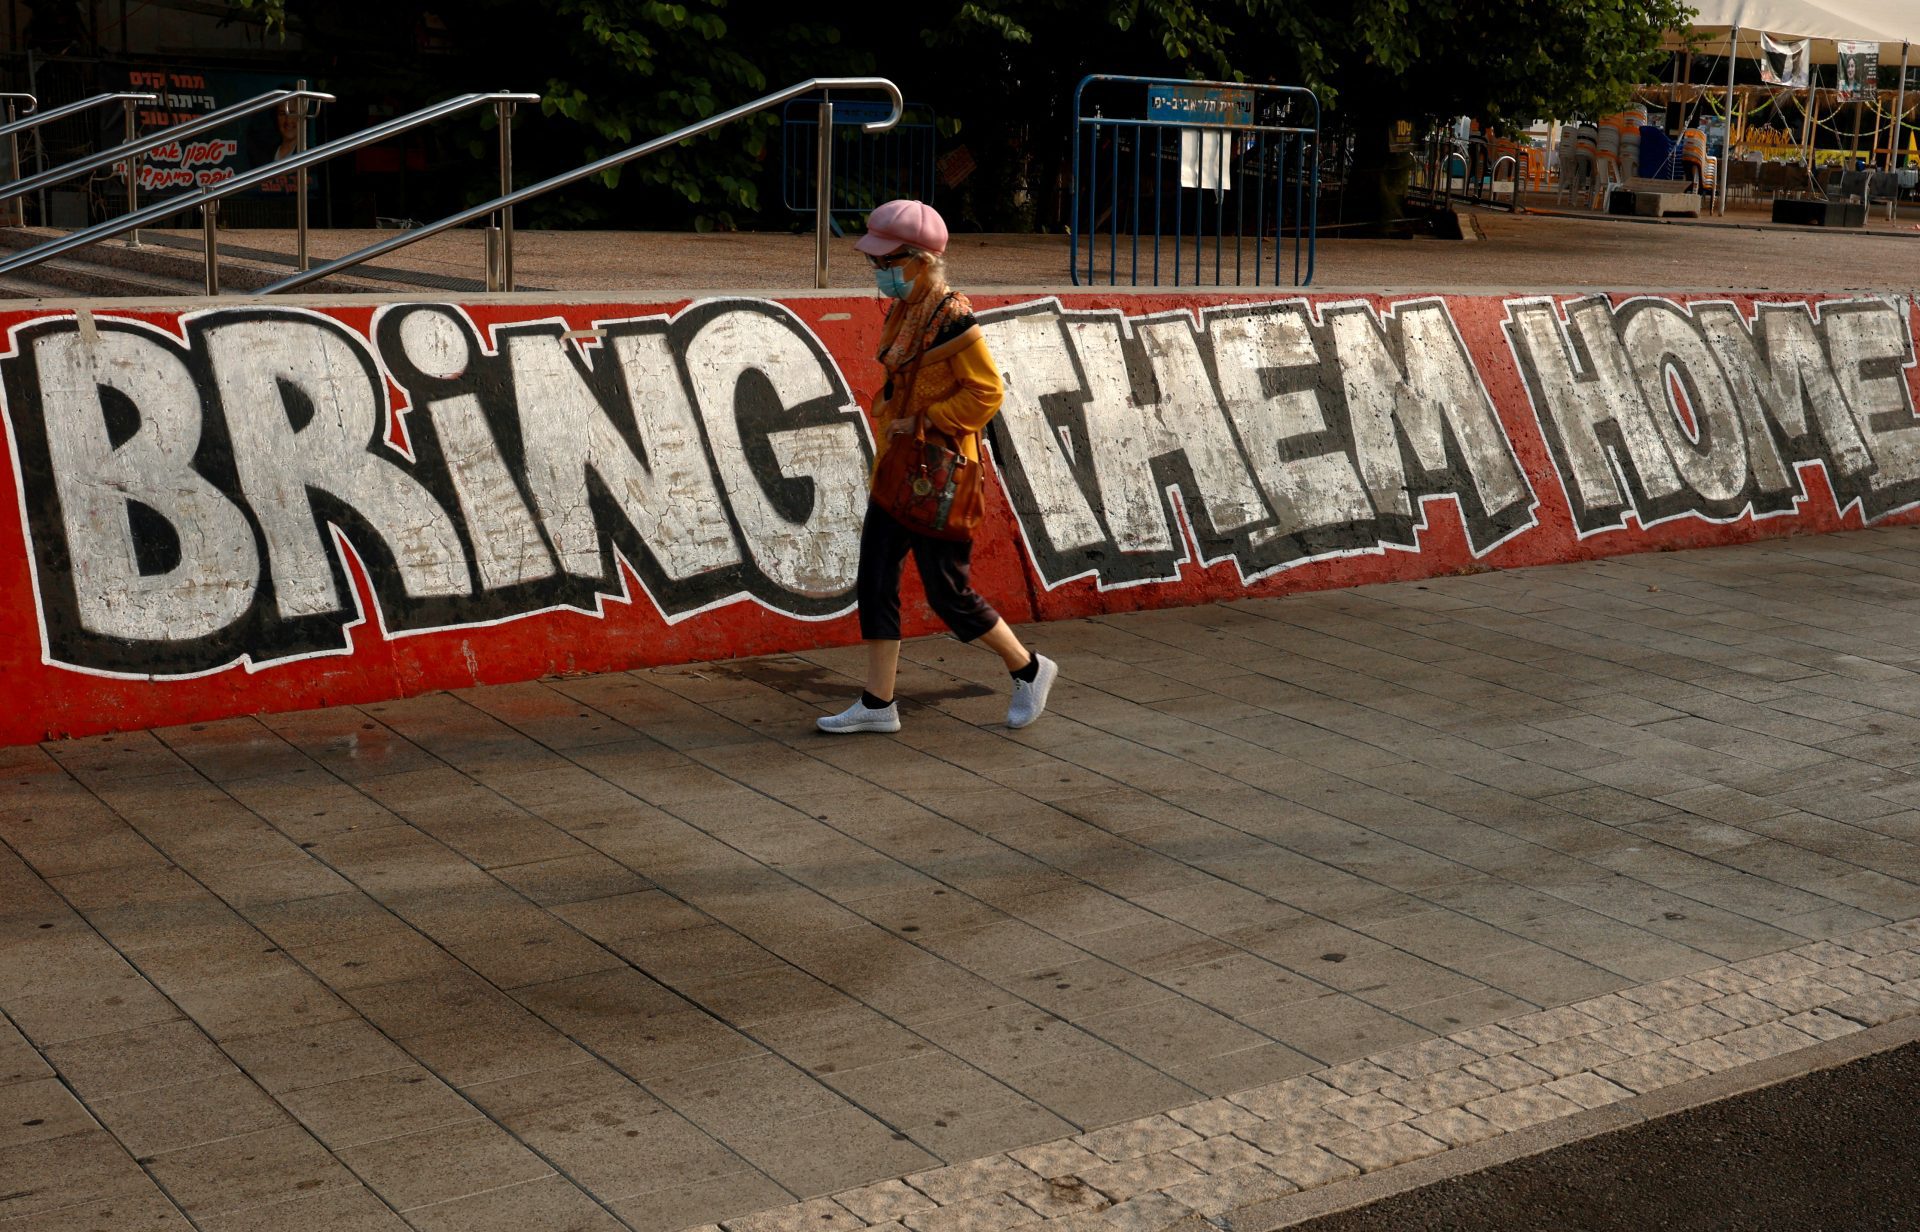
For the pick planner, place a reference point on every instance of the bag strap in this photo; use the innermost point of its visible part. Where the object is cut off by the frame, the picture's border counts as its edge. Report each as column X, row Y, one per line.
column 913, row 372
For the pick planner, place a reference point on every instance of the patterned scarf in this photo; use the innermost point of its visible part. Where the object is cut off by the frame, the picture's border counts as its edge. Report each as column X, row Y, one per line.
column 912, row 324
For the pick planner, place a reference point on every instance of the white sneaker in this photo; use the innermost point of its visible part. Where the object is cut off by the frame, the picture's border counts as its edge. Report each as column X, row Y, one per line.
column 1030, row 700
column 861, row 717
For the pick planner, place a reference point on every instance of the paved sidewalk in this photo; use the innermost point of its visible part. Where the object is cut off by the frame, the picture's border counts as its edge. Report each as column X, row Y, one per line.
column 641, row 950
column 1513, row 252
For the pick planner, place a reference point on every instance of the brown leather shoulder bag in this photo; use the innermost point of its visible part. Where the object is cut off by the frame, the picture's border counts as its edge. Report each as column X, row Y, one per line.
column 928, row 485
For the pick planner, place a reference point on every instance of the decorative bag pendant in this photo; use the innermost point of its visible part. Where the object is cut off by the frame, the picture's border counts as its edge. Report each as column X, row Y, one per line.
column 922, row 486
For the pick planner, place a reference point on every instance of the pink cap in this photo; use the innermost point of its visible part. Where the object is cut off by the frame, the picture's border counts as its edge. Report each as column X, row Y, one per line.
column 913, row 223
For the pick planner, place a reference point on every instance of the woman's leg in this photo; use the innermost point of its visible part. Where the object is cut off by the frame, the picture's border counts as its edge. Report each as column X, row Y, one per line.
column 883, row 663
column 1003, row 641
column 883, row 554
column 945, row 571
column 883, row 551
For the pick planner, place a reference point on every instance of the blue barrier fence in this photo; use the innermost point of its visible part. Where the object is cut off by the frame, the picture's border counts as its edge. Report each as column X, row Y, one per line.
column 1197, row 170
column 868, row 168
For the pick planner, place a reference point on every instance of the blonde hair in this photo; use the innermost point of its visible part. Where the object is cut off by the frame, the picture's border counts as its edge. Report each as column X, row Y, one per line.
column 936, row 261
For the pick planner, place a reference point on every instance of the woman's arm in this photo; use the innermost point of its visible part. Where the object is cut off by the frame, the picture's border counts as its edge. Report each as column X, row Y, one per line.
column 973, row 405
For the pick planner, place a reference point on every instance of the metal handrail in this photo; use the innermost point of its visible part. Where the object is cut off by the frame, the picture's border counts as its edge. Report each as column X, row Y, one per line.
column 86, row 104
column 1493, row 179
column 140, row 145
column 207, row 198
column 504, row 203
column 12, row 130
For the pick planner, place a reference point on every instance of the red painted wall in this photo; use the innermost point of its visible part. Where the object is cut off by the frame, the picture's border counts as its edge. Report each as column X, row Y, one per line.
column 48, row 698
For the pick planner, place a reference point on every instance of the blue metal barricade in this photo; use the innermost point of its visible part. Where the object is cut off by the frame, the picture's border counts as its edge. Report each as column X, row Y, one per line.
column 868, row 168
column 1158, row 159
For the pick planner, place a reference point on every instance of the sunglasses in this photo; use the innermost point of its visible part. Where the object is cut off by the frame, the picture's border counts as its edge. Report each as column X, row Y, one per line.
column 890, row 260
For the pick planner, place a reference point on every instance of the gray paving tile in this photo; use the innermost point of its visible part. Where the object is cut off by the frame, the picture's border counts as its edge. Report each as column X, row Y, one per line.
column 1255, row 838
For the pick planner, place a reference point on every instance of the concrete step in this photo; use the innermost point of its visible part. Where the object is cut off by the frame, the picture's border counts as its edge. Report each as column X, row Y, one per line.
column 111, row 268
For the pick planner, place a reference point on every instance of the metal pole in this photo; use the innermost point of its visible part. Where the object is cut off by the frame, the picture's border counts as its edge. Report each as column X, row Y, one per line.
column 504, row 266
column 300, row 256
column 823, row 190
column 13, row 171
column 1894, row 162
column 210, row 233
column 1680, row 108
column 1806, row 127
column 133, row 174
column 39, row 143
column 1724, row 173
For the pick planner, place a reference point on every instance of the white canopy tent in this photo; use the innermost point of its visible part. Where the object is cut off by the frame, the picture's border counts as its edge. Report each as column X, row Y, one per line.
column 1739, row 24
column 1889, row 21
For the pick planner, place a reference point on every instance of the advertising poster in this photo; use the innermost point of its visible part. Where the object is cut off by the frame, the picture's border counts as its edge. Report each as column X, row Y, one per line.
column 215, row 157
column 1857, row 75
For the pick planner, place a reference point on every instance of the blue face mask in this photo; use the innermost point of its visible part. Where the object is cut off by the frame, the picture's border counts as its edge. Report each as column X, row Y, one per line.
column 892, row 282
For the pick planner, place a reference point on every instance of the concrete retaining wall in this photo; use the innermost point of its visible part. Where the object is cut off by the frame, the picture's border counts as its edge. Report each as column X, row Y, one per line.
column 254, row 508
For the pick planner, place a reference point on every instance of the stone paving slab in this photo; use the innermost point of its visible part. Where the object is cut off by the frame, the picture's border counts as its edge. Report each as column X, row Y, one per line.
column 1281, row 892
column 1513, row 251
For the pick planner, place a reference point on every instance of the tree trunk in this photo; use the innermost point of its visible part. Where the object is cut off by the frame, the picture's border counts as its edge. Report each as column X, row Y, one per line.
column 1377, row 186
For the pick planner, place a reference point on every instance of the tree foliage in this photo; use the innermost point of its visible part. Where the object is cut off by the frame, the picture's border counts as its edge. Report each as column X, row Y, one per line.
column 1514, row 62
column 275, row 11
column 616, row 72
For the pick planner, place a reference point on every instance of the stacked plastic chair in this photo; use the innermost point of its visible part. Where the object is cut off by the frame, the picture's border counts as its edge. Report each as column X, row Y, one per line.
column 1630, row 122
column 1586, row 154
column 1694, row 157
column 1563, row 158
column 1606, row 163
column 1533, row 165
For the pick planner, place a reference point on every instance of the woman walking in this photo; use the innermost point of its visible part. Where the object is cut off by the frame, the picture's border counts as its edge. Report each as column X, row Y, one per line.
column 942, row 388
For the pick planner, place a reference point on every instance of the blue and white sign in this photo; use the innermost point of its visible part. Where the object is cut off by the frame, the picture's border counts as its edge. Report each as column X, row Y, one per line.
column 1200, row 105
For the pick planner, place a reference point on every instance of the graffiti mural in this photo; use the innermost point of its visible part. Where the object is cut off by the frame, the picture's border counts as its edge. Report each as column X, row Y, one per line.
column 236, row 509
column 1284, row 433
column 194, row 500
column 1659, row 409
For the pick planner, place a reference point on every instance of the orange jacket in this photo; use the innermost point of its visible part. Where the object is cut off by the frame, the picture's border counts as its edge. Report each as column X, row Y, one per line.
column 955, row 385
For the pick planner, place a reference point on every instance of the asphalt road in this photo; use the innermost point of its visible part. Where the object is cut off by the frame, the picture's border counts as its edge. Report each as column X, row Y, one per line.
column 1834, row 1151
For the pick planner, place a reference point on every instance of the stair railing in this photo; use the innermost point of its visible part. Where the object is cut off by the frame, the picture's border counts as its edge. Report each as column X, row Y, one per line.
column 12, row 129
column 129, row 151
column 207, row 200
column 500, row 271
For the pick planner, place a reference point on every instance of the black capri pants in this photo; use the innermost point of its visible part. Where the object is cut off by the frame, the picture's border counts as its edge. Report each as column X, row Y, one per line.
column 945, row 568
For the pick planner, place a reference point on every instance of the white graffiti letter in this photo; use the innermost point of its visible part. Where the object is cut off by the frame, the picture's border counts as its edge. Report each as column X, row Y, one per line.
column 1778, row 387
column 1181, row 414
column 303, row 408
column 1870, row 347
column 507, row 547
column 1576, row 404
column 100, row 483
column 1665, row 348
column 1436, row 397
column 669, row 498
column 1316, row 491
column 750, row 364
column 1036, row 364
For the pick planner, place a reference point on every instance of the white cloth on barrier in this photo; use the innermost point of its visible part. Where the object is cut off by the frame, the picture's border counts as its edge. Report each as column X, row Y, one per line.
column 1203, row 159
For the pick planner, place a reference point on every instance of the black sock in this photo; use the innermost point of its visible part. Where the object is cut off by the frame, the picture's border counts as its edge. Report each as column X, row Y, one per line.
column 1031, row 671
column 873, row 703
